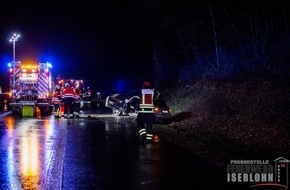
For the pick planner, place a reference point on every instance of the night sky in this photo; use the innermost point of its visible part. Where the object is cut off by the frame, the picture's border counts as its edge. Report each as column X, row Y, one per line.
column 101, row 42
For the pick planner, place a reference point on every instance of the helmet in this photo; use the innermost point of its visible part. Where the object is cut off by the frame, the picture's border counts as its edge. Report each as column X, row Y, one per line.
column 57, row 87
column 146, row 84
column 66, row 85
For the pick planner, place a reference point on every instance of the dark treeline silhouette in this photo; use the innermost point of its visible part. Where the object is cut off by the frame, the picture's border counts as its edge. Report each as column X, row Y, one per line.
column 223, row 38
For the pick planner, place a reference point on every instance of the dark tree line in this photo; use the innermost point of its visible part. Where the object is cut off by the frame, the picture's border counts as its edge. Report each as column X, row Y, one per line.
column 221, row 38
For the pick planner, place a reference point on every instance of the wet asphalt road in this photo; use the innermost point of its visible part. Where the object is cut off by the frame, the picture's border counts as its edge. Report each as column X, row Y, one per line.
column 106, row 154
column 102, row 152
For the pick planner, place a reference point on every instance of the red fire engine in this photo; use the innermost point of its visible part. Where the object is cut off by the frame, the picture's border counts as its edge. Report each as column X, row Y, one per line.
column 30, row 88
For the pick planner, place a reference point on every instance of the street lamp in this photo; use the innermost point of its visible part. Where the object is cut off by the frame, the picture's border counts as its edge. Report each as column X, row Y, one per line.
column 13, row 39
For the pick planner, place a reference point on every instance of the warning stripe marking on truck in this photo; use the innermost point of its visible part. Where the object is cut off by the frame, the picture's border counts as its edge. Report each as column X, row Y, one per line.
column 17, row 82
column 42, row 85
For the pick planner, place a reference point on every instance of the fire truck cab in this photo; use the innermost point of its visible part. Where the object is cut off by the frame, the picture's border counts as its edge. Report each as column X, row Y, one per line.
column 30, row 88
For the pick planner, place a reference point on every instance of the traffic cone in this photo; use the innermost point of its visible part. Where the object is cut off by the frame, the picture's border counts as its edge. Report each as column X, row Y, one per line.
column 5, row 105
column 61, row 110
column 37, row 112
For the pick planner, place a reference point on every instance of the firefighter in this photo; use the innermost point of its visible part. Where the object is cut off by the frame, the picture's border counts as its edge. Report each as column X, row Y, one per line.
column 56, row 100
column 77, row 102
column 68, row 97
column 145, row 114
column 62, row 104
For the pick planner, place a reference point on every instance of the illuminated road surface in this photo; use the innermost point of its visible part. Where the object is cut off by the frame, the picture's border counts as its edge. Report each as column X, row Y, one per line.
column 94, row 153
column 27, row 150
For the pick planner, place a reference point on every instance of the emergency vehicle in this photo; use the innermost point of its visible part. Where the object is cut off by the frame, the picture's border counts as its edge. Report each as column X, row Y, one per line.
column 30, row 88
column 74, row 83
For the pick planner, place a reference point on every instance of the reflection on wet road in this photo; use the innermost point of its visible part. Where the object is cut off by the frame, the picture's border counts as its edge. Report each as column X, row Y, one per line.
column 26, row 146
column 106, row 154
column 101, row 153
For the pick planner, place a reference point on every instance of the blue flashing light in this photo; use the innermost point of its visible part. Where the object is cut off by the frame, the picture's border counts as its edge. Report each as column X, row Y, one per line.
column 120, row 85
column 48, row 65
column 9, row 65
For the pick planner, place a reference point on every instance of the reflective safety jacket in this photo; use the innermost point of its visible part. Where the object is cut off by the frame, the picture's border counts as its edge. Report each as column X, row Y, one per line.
column 68, row 95
column 146, row 101
column 56, row 97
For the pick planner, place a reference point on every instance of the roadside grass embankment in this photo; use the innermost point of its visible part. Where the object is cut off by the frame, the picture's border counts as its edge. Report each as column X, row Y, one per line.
column 220, row 121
